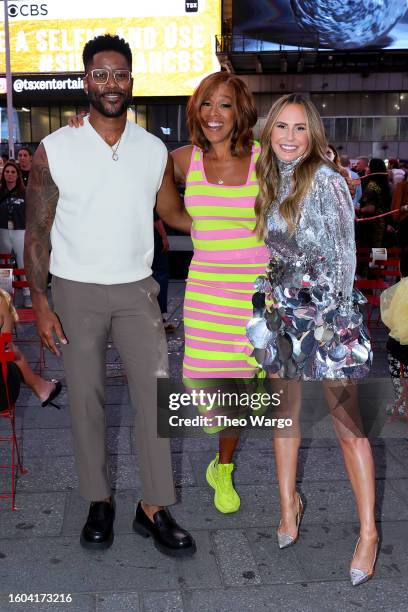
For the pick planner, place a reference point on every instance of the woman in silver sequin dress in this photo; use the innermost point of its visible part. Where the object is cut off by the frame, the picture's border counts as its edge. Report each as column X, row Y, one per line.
column 306, row 323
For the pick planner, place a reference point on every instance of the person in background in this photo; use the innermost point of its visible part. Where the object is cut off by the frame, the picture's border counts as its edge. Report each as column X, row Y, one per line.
column 376, row 199
column 395, row 173
column 394, row 314
column 334, row 157
column 3, row 159
column 358, row 192
column 46, row 390
column 160, row 268
column 362, row 166
column 404, row 168
column 25, row 158
column 399, row 221
column 13, row 217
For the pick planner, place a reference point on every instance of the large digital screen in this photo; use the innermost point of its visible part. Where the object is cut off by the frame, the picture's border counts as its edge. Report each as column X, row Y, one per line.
column 172, row 41
column 320, row 24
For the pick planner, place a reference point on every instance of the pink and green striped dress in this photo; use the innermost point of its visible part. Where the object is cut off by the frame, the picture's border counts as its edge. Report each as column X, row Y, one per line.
column 227, row 259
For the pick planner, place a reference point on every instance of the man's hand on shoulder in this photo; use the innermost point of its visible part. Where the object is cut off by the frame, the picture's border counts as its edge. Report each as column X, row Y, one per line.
column 77, row 121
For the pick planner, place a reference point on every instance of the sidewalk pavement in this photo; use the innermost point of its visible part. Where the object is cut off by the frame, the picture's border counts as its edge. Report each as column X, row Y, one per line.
column 238, row 566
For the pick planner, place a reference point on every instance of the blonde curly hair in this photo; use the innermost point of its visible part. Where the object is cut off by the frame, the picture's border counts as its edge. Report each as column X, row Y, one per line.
column 7, row 298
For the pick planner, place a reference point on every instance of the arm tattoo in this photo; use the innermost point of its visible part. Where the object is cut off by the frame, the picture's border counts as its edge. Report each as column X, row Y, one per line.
column 41, row 202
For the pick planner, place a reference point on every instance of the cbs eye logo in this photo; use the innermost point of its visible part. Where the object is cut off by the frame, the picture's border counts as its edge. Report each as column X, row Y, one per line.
column 27, row 9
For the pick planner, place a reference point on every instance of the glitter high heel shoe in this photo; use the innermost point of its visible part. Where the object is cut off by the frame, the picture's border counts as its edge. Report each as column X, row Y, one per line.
column 284, row 539
column 358, row 576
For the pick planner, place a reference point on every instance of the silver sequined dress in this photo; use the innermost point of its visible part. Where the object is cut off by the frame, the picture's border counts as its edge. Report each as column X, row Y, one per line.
column 307, row 323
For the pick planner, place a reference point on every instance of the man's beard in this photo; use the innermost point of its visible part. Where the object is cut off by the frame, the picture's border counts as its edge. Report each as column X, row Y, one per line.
column 95, row 100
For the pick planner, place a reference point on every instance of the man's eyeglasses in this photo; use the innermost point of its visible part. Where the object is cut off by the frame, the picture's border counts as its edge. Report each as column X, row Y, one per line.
column 100, row 76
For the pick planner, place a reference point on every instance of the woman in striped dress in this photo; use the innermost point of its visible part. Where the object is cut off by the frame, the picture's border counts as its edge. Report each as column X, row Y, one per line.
column 218, row 171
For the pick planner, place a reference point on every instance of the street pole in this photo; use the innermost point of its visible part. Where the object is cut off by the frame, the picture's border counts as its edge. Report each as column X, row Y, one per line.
column 9, row 83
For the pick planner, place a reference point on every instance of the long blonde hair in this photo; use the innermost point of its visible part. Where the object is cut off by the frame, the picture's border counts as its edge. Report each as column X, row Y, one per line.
column 4, row 295
column 267, row 168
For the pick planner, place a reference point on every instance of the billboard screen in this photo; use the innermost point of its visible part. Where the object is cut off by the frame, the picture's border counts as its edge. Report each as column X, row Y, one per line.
column 172, row 41
column 319, row 24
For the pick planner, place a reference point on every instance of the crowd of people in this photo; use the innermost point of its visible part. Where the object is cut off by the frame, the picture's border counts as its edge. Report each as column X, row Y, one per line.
column 376, row 188
column 269, row 289
column 383, row 190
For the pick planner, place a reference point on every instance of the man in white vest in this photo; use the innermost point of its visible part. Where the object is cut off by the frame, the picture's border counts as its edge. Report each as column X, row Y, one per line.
column 93, row 190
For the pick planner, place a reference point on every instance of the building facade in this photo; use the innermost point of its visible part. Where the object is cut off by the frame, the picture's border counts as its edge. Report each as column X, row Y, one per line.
column 362, row 95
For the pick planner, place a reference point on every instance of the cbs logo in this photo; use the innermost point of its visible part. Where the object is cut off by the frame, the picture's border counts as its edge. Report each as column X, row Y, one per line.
column 27, row 10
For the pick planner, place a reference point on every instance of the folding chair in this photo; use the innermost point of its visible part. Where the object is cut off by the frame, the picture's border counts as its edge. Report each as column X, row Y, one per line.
column 394, row 275
column 363, row 250
column 371, row 289
column 15, row 466
column 389, row 263
column 370, row 269
column 394, row 251
column 6, row 260
column 26, row 316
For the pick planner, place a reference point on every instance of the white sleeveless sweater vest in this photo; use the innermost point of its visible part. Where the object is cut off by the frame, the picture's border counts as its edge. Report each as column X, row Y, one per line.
column 103, row 227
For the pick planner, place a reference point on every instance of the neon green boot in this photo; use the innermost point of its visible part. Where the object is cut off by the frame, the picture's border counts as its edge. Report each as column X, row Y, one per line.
column 219, row 477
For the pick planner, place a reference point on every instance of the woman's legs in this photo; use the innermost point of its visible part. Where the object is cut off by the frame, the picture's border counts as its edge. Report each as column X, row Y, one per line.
column 17, row 241
column 5, row 242
column 219, row 472
column 227, row 444
column 41, row 387
column 342, row 401
column 286, row 446
column 343, row 404
column 229, row 437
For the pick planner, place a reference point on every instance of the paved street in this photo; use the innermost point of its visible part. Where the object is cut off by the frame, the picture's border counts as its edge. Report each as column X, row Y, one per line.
column 238, row 566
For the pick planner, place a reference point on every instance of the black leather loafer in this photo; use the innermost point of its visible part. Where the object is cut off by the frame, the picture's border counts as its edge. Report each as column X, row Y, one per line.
column 97, row 533
column 169, row 538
